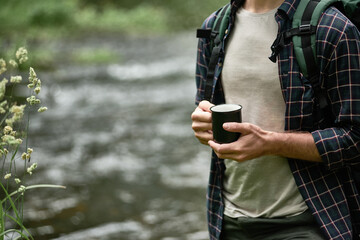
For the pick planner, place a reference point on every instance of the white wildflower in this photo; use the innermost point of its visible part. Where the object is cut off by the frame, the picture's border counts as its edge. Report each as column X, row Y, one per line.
column 32, row 74
column 2, row 66
column 22, row 189
column 38, row 83
column 17, row 180
column 17, row 109
column 37, row 90
column 33, row 80
column 42, row 109
column 33, row 100
column 8, row 138
column 3, row 107
column 13, row 63
column 3, row 88
column 27, row 155
column 7, row 176
column 15, row 79
column 11, row 140
column 22, row 55
column 18, row 113
column 7, row 130
column 32, row 168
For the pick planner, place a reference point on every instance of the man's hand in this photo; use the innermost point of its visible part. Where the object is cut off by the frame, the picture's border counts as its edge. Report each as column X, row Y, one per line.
column 251, row 144
column 255, row 142
column 202, row 122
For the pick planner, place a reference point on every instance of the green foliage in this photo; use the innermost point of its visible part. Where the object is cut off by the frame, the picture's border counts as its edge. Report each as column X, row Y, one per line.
column 94, row 56
column 36, row 23
column 143, row 18
column 190, row 14
column 22, row 14
column 32, row 18
column 53, row 17
column 179, row 15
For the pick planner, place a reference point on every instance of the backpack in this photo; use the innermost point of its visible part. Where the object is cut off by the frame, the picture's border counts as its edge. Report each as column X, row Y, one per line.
column 302, row 34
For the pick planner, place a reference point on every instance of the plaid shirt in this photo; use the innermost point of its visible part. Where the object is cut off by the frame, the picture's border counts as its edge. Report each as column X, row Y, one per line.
column 328, row 188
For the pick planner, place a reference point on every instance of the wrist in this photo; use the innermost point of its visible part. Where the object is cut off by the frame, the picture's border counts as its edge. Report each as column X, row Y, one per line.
column 274, row 143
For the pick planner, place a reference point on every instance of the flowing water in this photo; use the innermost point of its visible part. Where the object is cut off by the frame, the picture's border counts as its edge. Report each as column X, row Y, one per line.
column 119, row 138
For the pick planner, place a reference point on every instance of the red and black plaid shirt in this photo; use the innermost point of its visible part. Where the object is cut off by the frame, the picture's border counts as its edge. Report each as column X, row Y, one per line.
column 328, row 188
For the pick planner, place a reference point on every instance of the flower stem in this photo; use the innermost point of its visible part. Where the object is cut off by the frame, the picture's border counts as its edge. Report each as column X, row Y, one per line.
column 33, row 186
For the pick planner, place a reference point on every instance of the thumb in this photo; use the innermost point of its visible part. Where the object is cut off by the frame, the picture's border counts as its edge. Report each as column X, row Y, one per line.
column 243, row 128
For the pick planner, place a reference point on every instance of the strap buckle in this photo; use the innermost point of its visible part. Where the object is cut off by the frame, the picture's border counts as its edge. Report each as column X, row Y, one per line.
column 214, row 34
column 276, row 47
column 203, row 33
column 305, row 28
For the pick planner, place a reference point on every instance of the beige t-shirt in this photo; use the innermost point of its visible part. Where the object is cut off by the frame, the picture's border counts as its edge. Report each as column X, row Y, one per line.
column 262, row 187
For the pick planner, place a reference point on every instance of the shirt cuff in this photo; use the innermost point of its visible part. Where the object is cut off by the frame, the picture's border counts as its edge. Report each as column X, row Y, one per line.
column 329, row 147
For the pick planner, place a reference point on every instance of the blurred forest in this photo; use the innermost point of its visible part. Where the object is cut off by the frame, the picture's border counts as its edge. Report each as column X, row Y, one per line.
column 39, row 18
column 35, row 23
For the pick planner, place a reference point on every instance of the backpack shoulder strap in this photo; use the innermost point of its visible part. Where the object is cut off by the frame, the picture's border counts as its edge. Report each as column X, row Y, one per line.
column 305, row 20
column 307, row 17
column 303, row 35
column 304, row 25
column 215, row 34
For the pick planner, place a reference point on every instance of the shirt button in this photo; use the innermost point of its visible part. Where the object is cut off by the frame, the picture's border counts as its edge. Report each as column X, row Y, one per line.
column 226, row 31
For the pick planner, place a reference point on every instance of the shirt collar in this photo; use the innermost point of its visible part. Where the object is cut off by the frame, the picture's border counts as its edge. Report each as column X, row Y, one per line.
column 235, row 4
column 288, row 8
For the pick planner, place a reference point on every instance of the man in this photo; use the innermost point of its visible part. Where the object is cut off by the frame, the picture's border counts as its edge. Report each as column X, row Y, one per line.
column 271, row 183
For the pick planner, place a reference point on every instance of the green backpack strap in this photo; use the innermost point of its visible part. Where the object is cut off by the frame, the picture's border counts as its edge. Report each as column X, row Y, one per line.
column 304, row 25
column 307, row 17
column 216, row 35
column 222, row 21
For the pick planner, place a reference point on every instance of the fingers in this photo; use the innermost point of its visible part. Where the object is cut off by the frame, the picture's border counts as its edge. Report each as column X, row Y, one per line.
column 204, row 137
column 201, row 116
column 201, row 126
column 250, row 145
column 202, row 122
column 226, row 151
column 243, row 128
column 202, row 131
column 222, row 148
column 202, row 113
column 205, row 105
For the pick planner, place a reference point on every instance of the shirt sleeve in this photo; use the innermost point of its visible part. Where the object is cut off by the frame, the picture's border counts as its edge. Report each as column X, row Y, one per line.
column 203, row 58
column 340, row 60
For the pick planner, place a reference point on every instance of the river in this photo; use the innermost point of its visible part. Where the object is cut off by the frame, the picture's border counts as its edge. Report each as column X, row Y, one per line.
column 119, row 138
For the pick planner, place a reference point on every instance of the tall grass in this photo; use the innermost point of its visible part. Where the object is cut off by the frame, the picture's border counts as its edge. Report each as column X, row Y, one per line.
column 15, row 154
